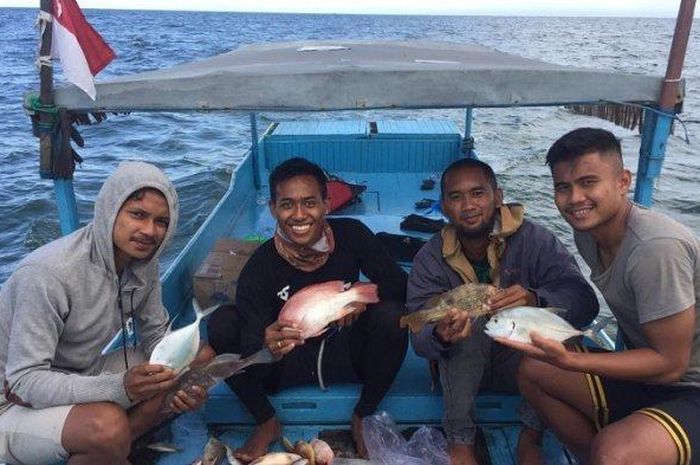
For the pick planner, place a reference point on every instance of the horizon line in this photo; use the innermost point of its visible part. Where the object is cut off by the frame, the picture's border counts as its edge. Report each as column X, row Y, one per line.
column 444, row 13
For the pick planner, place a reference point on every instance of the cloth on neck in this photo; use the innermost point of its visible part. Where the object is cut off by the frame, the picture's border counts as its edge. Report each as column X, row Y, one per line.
column 303, row 257
column 508, row 220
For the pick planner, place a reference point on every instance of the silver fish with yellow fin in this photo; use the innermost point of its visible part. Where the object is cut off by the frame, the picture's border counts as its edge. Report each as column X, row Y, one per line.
column 517, row 323
column 179, row 348
column 280, row 458
column 469, row 297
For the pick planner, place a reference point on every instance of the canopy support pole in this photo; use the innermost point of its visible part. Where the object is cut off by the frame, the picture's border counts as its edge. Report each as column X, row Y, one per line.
column 67, row 207
column 63, row 188
column 255, row 149
column 657, row 125
column 46, row 89
column 468, row 141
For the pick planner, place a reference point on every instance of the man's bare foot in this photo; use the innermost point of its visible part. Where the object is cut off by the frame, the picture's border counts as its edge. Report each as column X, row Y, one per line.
column 356, row 430
column 258, row 443
column 530, row 447
column 462, row 454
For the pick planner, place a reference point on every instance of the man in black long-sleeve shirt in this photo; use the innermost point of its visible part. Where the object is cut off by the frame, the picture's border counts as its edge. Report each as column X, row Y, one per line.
column 308, row 249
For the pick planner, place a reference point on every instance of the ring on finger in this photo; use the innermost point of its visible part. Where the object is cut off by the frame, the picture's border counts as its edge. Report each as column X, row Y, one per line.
column 279, row 344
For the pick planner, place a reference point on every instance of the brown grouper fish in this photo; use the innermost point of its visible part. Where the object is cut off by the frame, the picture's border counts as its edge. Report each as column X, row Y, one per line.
column 469, row 297
column 314, row 307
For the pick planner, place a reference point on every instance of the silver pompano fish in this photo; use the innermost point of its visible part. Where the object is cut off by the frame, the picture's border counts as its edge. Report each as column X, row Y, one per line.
column 220, row 368
column 469, row 297
column 280, row 458
column 179, row 348
column 517, row 323
column 314, row 307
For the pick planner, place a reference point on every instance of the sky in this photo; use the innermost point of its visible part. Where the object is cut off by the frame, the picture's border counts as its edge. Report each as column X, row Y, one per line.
column 652, row 8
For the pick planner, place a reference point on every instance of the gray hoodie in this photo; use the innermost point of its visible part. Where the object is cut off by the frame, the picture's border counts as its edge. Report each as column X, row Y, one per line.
column 60, row 307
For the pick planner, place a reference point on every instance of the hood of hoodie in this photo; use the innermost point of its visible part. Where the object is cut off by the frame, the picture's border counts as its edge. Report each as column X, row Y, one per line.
column 124, row 181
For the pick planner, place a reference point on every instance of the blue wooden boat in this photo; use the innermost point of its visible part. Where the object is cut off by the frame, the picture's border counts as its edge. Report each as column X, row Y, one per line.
column 391, row 158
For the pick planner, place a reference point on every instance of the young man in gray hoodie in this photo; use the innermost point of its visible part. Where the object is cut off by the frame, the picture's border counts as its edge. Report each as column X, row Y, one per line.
column 63, row 400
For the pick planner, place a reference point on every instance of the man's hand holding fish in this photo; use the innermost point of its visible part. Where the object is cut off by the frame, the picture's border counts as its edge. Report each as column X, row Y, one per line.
column 512, row 296
column 281, row 337
column 543, row 349
column 144, row 381
column 454, row 327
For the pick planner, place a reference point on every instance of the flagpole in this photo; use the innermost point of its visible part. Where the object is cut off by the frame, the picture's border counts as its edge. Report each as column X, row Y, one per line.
column 46, row 89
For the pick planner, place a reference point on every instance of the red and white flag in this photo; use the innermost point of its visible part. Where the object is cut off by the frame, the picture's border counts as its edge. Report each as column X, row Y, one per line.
column 80, row 48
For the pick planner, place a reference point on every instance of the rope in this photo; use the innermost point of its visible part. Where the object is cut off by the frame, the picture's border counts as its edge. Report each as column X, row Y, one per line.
column 36, row 105
column 44, row 60
column 674, row 117
column 319, row 365
column 42, row 19
column 625, row 114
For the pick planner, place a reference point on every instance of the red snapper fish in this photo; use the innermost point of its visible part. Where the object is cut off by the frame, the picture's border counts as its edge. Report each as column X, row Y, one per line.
column 315, row 307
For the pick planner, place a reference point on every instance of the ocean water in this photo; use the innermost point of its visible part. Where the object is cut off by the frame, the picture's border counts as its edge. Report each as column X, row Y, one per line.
column 198, row 150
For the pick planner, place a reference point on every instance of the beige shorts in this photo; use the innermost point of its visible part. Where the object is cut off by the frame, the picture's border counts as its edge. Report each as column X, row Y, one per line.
column 33, row 436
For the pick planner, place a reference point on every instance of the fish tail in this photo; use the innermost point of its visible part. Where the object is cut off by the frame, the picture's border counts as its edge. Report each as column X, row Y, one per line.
column 199, row 313
column 287, row 444
column 261, row 356
column 415, row 321
column 414, row 324
column 365, row 292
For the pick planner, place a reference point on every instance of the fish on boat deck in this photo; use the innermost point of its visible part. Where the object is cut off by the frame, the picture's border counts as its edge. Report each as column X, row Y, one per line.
column 215, row 452
column 280, row 458
column 317, row 451
column 314, row 307
column 209, row 374
column 469, row 297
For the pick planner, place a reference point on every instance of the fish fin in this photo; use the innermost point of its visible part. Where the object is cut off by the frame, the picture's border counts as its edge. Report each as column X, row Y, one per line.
column 262, row 356
column 163, row 447
column 432, row 302
column 413, row 323
column 596, row 332
column 220, row 367
column 287, row 444
column 343, row 312
column 365, row 292
column 522, row 303
column 319, row 333
column 599, row 339
column 601, row 322
column 231, row 457
column 225, row 358
column 555, row 310
column 203, row 313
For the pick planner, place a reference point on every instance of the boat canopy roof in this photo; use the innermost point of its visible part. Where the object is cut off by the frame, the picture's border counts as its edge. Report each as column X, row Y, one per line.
column 344, row 75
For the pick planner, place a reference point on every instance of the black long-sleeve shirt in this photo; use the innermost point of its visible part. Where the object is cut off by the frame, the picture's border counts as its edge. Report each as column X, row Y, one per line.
column 267, row 280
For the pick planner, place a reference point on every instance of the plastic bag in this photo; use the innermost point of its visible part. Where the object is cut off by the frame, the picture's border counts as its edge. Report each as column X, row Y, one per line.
column 386, row 446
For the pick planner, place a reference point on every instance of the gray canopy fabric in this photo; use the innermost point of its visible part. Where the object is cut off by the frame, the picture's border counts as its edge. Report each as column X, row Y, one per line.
column 341, row 75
